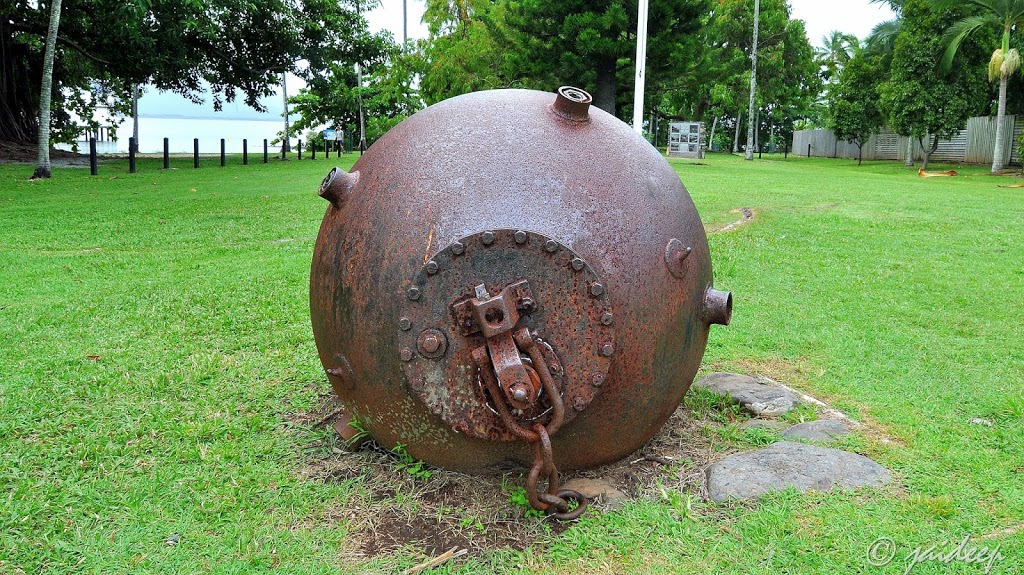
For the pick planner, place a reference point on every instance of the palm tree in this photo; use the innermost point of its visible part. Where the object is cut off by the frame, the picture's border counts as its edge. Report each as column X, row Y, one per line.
column 1006, row 14
column 837, row 48
column 882, row 39
column 43, row 159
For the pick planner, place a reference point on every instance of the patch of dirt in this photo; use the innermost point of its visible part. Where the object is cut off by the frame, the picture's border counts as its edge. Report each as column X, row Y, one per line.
column 17, row 153
column 747, row 215
column 392, row 508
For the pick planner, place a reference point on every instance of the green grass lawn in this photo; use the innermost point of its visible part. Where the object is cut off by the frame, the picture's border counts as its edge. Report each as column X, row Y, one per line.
column 155, row 337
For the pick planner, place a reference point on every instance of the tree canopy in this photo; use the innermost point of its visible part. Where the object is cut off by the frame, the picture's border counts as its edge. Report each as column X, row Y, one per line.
column 919, row 100
column 217, row 47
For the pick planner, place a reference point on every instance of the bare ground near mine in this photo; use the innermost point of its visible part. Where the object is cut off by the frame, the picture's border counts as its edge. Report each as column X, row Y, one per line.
column 392, row 508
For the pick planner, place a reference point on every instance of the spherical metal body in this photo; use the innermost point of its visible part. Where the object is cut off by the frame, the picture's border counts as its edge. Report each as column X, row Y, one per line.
column 557, row 211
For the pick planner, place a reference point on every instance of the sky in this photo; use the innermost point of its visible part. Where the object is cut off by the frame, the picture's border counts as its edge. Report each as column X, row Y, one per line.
column 855, row 17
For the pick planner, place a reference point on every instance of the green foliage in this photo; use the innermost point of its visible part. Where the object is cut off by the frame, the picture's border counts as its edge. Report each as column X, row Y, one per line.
column 518, row 498
column 466, row 51
column 718, row 84
column 410, row 464
column 331, row 99
column 477, row 44
column 853, row 100
column 225, row 48
column 196, row 304
column 918, row 99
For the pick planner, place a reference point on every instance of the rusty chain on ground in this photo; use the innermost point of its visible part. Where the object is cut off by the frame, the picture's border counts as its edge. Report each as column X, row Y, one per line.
column 554, row 501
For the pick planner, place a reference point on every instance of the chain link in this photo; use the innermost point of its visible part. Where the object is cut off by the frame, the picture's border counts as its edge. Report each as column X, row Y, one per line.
column 553, row 501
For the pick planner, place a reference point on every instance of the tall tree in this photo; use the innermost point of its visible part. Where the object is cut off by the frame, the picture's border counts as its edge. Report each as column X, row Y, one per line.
column 219, row 49
column 593, row 42
column 753, row 83
column 466, row 50
column 918, row 100
column 333, row 99
column 837, row 48
column 46, row 92
column 1006, row 16
column 853, row 101
column 718, row 81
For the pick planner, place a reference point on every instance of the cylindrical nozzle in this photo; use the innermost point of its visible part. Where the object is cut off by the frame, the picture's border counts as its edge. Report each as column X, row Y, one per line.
column 337, row 186
column 573, row 104
column 717, row 306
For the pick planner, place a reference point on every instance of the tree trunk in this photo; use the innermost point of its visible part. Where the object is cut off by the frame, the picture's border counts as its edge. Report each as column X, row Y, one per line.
column 998, row 161
column 860, row 154
column 736, row 138
column 929, row 149
column 604, row 91
column 711, row 138
column 909, row 160
column 46, row 92
column 753, row 84
column 286, row 144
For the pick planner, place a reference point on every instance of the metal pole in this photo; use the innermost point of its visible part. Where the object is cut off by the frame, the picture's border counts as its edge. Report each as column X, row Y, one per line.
column 286, row 143
column 222, row 152
column 167, row 154
column 131, row 155
column 300, row 149
column 195, row 152
column 641, row 68
column 265, row 157
column 92, row 156
column 245, row 152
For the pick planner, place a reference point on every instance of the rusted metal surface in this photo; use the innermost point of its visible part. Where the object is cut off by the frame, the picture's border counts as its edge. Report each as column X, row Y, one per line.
column 577, row 233
column 480, row 291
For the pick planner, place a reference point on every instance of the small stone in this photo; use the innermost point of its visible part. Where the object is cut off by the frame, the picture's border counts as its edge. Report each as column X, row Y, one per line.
column 762, row 399
column 788, row 464
column 593, row 489
column 980, row 421
column 820, row 430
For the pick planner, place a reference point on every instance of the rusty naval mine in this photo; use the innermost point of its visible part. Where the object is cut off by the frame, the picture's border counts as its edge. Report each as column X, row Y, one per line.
column 512, row 278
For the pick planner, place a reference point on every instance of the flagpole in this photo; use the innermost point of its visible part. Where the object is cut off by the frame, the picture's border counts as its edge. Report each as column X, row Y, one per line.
column 641, row 68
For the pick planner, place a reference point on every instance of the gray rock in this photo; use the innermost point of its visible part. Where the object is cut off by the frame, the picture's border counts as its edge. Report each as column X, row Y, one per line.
column 761, row 399
column 787, row 464
column 820, row 430
column 596, row 488
column 980, row 421
column 755, row 423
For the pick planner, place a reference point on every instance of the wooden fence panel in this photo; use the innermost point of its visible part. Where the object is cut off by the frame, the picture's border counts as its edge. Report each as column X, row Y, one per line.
column 973, row 145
